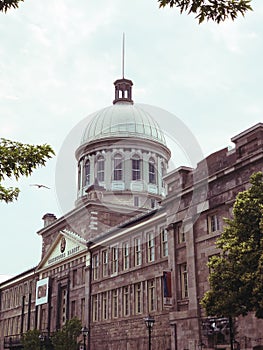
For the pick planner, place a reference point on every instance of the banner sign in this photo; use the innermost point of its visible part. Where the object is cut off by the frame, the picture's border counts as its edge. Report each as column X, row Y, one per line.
column 42, row 291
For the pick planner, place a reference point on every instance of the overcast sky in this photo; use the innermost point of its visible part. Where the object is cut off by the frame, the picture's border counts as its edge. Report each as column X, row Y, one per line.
column 58, row 62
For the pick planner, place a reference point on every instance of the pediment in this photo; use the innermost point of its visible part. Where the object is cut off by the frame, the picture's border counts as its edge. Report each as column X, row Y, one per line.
column 66, row 246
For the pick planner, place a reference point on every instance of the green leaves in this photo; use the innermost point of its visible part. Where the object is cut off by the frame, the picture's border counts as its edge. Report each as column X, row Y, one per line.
column 215, row 10
column 18, row 159
column 236, row 276
column 7, row 4
column 66, row 338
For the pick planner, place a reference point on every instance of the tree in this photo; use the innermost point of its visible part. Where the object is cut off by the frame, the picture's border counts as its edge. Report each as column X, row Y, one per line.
column 7, row 4
column 215, row 10
column 31, row 340
column 66, row 338
column 18, row 159
column 236, row 275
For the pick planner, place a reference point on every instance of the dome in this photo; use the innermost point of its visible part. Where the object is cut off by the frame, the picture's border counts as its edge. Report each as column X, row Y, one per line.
column 123, row 119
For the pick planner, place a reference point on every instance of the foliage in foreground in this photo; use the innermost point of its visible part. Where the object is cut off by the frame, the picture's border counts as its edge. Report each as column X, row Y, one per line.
column 66, row 338
column 7, row 4
column 31, row 340
column 236, row 277
column 18, row 159
column 215, row 10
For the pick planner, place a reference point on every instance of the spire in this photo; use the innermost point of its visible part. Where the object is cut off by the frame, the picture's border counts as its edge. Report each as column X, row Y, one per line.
column 123, row 87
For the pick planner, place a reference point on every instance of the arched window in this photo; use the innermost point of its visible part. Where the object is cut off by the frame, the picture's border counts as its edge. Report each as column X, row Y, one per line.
column 163, row 173
column 87, row 173
column 118, row 165
column 101, row 169
column 136, row 168
column 152, row 171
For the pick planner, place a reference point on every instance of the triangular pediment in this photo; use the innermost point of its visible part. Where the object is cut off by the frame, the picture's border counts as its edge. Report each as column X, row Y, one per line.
column 66, row 246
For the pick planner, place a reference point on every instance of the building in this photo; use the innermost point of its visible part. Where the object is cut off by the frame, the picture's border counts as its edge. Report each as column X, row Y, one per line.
column 137, row 242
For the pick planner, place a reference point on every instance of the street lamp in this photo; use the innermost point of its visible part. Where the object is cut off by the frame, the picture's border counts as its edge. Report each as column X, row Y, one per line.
column 85, row 332
column 149, row 322
column 42, row 340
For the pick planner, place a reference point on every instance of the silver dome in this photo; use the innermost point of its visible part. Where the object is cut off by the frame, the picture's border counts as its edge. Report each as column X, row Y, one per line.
column 123, row 119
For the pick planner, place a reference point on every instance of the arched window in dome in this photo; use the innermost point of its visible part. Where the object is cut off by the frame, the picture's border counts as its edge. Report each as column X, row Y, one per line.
column 152, row 171
column 101, row 169
column 136, row 167
column 79, row 176
column 87, row 173
column 117, row 167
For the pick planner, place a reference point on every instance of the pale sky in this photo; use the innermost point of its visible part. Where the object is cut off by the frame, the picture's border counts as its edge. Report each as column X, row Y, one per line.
column 58, row 62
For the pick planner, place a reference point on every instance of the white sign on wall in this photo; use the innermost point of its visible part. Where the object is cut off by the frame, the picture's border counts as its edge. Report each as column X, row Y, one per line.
column 42, row 291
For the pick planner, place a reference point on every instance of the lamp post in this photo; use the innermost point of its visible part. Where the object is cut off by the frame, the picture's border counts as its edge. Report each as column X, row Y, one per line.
column 42, row 340
column 149, row 322
column 85, row 333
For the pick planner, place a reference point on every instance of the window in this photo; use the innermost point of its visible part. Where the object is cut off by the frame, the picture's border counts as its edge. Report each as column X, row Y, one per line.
column 95, row 307
column 180, row 233
column 101, row 169
column 105, row 305
column 164, row 242
column 114, row 253
column 73, row 308
column 126, row 301
column 82, row 310
column 105, row 263
column 136, row 201
column 136, row 168
column 138, row 297
column 83, row 275
column 126, row 259
column 117, row 173
column 183, row 280
column 151, row 247
column 137, row 252
column 151, row 295
column 115, row 303
column 163, row 173
column 152, row 171
column 213, row 223
column 95, row 266
column 75, row 276
column 87, row 173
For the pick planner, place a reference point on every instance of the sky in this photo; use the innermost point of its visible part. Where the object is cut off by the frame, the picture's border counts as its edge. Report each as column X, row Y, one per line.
column 58, row 62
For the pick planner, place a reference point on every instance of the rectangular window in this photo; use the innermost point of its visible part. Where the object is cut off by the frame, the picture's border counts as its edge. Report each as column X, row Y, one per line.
column 180, row 233
column 83, row 275
column 82, row 310
column 114, row 254
column 126, row 301
column 95, row 308
column 74, row 278
column 183, row 280
column 164, row 242
column 152, row 174
column 213, row 223
column 117, row 174
column 151, row 247
column 137, row 252
column 136, row 169
column 101, row 168
column 151, row 295
column 138, row 298
column 115, row 303
column 73, row 309
column 136, row 201
column 105, row 305
column 95, row 266
column 105, row 260
column 126, row 257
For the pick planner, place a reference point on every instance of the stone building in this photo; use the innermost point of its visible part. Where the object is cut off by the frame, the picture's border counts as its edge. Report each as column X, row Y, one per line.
column 137, row 242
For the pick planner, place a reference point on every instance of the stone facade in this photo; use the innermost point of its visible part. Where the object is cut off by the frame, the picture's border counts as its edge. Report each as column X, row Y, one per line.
column 113, row 267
